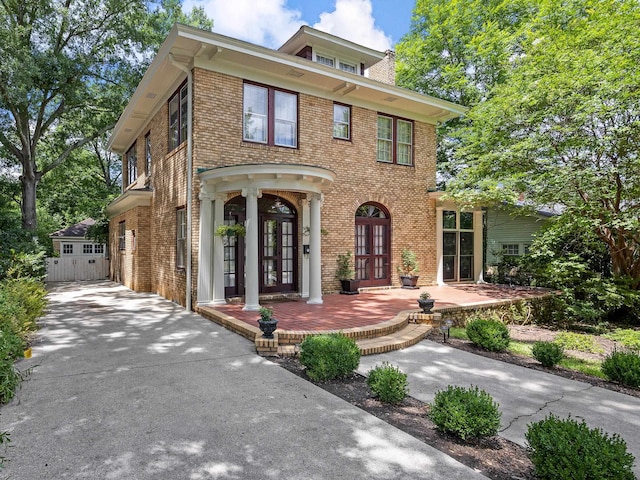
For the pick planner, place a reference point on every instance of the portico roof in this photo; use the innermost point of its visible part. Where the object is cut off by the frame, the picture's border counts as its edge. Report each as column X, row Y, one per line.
column 287, row 177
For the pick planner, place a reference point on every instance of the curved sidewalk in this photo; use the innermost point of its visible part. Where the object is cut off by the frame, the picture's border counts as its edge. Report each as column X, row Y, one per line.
column 130, row 386
column 525, row 395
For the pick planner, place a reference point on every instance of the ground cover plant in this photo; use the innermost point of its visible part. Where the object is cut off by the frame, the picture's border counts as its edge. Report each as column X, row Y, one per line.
column 578, row 341
column 552, row 448
column 627, row 337
column 329, row 356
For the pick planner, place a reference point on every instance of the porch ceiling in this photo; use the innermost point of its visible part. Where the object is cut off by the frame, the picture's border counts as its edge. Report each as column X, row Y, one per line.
column 287, row 177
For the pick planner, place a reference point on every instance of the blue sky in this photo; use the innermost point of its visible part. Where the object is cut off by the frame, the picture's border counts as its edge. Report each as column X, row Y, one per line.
column 377, row 24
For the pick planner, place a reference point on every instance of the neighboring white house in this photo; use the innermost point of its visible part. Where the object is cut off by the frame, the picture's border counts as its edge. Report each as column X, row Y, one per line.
column 80, row 258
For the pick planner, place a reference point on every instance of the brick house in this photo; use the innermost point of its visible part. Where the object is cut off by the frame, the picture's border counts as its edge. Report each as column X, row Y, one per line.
column 311, row 147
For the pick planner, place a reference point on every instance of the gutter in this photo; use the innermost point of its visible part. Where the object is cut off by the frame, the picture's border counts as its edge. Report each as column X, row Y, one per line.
column 189, row 73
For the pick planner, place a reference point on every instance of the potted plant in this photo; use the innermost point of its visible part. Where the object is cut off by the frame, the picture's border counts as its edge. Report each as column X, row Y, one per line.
column 267, row 323
column 236, row 230
column 408, row 269
column 346, row 274
column 426, row 302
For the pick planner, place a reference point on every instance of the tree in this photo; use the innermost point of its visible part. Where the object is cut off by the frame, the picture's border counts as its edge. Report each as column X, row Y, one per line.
column 564, row 126
column 68, row 67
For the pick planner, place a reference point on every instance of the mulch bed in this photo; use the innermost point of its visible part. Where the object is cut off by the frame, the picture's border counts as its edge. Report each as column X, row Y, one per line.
column 496, row 457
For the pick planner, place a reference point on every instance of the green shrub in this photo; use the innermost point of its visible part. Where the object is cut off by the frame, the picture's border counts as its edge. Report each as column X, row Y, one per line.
column 11, row 345
column 9, row 380
column 566, row 449
column 467, row 413
column 388, row 383
column 488, row 334
column 22, row 301
column 623, row 367
column 578, row 341
column 627, row 337
column 547, row 353
column 329, row 356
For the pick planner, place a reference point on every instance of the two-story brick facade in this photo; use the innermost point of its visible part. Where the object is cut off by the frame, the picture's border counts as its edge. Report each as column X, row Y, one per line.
column 302, row 146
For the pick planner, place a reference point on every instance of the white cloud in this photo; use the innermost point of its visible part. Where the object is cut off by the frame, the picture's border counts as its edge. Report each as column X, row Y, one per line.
column 353, row 20
column 270, row 23
column 263, row 22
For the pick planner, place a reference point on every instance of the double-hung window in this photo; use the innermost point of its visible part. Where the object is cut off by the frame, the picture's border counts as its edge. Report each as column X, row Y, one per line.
column 178, row 105
column 147, row 153
column 121, row 236
column 132, row 165
column 395, row 140
column 181, row 237
column 341, row 121
column 270, row 116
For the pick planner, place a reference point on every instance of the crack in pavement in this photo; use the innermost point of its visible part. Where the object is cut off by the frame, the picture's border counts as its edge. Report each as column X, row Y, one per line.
column 545, row 405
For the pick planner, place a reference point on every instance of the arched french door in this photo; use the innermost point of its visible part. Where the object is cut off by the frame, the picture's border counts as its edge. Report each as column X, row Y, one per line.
column 277, row 246
column 373, row 242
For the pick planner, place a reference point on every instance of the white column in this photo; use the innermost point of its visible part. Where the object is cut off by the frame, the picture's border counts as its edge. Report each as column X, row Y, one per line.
column 478, row 227
column 304, row 293
column 205, row 250
column 252, row 270
column 315, row 254
column 439, row 248
column 218, row 252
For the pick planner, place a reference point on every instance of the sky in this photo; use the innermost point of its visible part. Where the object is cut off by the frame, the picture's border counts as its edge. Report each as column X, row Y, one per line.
column 377, row 24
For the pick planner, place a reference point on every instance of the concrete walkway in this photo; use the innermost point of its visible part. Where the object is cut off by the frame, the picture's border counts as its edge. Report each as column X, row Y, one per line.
column 130, row 386
column 524, row 395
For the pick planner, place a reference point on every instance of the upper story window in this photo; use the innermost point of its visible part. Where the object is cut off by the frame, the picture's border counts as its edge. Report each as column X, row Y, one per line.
column 341, row 121
column 147, row 153
column 270, row 116
column 328, row 61
column 87, row 249
column 178, row 105
column 132, row 165
column 348, row 67
column 67, row 248
column 395, row 140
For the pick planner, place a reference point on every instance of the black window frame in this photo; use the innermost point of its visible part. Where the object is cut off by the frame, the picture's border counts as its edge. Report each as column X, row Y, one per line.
column 180, row 125
column 271, row 112
column 132, row 164
column 394, row 140
column 349, row 123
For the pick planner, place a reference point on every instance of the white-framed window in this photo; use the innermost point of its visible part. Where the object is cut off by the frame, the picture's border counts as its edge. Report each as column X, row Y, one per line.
column 341, row 121
column 98, row 249
column 395, row 140
column 132, row 164
column 178, row 108
column 181, row 237
column 457, row 245
column 348, row 67
column 510, row 249
column 270, row 116
column 147, row 154
column 67, row 248
column 325, row 60
column 527, row 248
column 87, row 249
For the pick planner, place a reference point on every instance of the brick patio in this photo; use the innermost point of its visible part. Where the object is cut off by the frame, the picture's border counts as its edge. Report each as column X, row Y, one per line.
column 342, row 312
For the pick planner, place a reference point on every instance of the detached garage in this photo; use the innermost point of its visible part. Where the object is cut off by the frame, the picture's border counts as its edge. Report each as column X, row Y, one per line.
column 79, row 258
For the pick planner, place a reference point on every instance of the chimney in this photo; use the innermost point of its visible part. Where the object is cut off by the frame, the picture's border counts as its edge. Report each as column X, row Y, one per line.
column 385, row 70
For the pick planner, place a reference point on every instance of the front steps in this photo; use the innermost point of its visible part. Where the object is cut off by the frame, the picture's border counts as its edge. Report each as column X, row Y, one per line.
column 406, row 329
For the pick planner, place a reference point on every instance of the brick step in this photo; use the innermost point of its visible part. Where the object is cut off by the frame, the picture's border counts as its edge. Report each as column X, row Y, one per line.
column 408, row 336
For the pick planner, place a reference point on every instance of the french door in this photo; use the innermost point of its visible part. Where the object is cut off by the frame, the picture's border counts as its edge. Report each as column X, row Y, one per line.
column 372, row 252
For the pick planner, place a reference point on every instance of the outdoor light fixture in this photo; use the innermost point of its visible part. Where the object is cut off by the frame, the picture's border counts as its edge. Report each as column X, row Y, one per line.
column 445, row 328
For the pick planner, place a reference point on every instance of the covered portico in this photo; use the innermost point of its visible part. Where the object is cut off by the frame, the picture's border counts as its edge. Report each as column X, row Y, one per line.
column 251, row 180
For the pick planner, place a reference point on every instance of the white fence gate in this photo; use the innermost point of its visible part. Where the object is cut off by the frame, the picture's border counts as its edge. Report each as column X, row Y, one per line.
column 68, row 269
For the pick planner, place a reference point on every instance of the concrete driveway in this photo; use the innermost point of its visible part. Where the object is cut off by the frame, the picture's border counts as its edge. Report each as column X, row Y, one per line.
column 130, row 386
column 524, row 395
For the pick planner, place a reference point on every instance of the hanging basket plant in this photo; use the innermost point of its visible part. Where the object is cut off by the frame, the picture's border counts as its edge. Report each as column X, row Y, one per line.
column 236, row 230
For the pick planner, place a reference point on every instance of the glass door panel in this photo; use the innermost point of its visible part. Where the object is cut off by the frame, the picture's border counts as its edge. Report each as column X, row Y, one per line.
column 449, row 254
column 466, row 256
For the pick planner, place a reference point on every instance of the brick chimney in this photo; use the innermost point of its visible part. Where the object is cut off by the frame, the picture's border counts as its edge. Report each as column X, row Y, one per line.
column 385, row 70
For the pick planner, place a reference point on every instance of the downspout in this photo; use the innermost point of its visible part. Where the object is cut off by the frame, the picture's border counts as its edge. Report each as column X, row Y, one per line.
column 189, row 73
